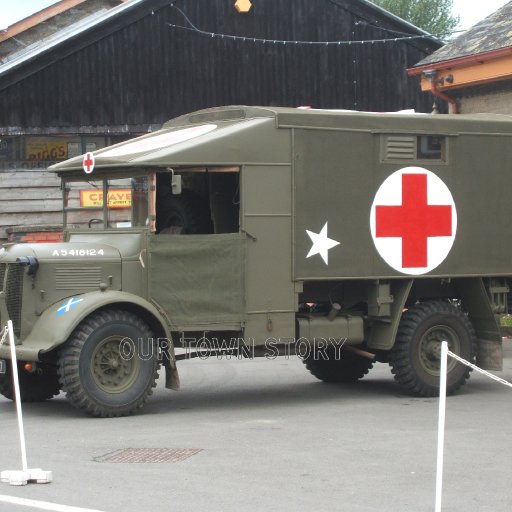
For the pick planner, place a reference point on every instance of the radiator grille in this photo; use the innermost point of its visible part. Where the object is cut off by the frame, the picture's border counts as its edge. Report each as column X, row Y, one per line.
column 2, row 274
column 13, row 274
column 77, row 278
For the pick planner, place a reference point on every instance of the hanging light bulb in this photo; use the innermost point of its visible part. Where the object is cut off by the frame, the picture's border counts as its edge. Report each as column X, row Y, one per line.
column 243, row 5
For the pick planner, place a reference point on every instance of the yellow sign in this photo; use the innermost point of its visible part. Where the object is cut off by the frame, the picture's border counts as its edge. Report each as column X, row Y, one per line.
column 46, row 149
column 117, row 198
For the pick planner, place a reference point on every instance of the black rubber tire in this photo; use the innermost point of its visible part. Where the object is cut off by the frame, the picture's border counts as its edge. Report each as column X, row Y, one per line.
column 347, row 368
column 415, row 357
column 92, row 367
column 34, row 387
column 183, row 214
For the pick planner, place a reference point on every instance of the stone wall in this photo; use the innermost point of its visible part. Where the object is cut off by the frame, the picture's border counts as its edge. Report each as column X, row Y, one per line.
column 494, row 99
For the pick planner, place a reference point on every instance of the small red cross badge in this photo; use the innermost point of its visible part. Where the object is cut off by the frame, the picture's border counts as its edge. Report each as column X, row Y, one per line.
column 413, row 220
column 88, row 163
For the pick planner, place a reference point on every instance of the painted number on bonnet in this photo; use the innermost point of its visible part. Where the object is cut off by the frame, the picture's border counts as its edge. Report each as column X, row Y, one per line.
column 78, row 252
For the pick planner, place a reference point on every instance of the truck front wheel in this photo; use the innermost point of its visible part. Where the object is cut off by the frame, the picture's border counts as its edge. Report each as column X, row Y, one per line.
column 416, row 356
column 41, row 385
column 109, row 365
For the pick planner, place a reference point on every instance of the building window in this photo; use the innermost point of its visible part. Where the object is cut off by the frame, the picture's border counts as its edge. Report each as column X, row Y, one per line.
column 30, row 152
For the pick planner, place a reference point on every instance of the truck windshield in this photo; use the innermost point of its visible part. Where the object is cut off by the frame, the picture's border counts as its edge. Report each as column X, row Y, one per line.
column 127, row 205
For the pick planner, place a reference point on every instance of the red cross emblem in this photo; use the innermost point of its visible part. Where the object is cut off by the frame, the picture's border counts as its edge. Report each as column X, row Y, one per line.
column 413, row 220
column 88, row 163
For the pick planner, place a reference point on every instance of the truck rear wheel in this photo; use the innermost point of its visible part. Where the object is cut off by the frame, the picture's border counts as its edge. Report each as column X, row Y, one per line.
column 34, row 387
column 346, row 368
column 416, row 356
column 109, row 365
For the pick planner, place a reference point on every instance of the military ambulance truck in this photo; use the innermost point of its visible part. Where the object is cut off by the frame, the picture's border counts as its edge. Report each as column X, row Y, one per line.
column 345, row 238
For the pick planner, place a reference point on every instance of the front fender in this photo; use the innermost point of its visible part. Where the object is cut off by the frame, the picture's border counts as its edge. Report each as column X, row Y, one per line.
column 56, row 323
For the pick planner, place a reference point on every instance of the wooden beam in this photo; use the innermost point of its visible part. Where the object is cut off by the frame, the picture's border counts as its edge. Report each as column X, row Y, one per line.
column 38, row 17
column 474, row 73
column 8, row 220
column 28, row 178
column 460, row 62
column 21, row 195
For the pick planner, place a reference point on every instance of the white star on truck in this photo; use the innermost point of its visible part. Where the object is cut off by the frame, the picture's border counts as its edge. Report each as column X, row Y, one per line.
column 322, row 244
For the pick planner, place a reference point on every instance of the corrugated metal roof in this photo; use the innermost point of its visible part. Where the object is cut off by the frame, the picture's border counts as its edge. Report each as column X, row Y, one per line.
column 492, row 33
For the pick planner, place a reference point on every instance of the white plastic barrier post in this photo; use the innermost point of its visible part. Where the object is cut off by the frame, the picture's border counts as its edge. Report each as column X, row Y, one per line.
column 25, row 475
column 441, row 424
column 17, row 396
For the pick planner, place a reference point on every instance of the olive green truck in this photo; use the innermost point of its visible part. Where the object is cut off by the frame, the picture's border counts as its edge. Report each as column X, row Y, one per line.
column 344, row 238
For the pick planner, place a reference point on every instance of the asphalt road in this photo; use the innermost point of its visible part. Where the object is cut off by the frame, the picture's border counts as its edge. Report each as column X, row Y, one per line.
column 273, row 438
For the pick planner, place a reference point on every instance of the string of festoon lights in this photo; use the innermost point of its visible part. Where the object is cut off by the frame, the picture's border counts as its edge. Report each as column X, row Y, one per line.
column 257, row 40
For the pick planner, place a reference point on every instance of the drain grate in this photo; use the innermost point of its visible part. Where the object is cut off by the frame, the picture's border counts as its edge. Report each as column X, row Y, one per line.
column 147, row 455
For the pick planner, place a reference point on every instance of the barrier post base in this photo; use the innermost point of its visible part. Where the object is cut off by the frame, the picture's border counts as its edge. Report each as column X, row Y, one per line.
column 23, row 477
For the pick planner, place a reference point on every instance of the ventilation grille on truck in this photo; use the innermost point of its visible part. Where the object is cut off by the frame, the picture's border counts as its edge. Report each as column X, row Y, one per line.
column 77, row 278
column 12, row 274
column 399, row 148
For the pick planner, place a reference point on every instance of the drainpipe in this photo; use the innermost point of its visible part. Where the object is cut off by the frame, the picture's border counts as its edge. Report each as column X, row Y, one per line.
column 431, row 76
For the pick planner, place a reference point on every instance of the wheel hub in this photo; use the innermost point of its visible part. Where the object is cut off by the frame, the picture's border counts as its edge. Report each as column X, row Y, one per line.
column 110, row 370
column 430, row 348
column 433, row 350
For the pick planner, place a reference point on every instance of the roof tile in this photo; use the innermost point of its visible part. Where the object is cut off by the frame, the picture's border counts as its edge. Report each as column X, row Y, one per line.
column 492, row 33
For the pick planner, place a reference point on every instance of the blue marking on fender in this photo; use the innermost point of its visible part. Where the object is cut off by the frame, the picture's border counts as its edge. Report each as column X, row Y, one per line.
column 68, row 306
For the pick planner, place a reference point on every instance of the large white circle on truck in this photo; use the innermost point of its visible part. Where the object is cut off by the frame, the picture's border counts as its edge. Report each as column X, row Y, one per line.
column 413, row 221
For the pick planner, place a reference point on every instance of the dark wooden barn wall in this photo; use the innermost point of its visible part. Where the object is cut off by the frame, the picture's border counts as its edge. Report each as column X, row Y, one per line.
column 148, row 72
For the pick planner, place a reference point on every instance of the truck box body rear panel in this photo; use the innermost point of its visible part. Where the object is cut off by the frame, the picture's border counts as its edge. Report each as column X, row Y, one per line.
column 337, row 176
column 333, row 184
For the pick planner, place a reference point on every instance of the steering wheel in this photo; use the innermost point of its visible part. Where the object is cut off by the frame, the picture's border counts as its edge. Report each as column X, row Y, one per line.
column 94, row 221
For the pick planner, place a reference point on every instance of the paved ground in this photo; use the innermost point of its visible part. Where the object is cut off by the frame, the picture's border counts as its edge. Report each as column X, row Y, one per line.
column 272, row 438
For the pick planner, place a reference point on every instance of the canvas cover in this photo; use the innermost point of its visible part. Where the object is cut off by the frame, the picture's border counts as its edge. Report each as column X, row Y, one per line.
column 198, row 279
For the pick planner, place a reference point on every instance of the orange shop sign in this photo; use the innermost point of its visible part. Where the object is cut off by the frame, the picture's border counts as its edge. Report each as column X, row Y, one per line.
column 117, row 198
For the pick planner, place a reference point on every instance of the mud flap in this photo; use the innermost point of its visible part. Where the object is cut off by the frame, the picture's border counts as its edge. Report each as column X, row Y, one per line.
column 489, row 355
column 489, row 350
column 172, row 378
